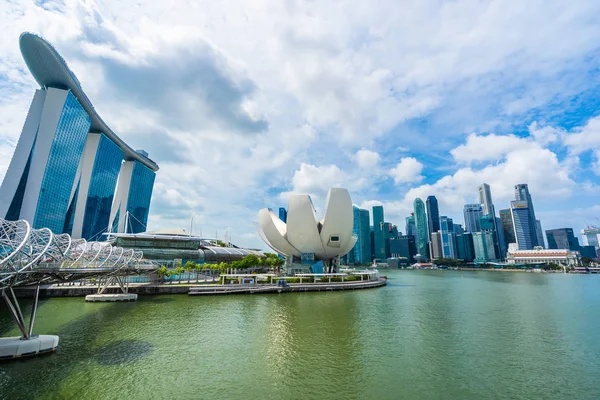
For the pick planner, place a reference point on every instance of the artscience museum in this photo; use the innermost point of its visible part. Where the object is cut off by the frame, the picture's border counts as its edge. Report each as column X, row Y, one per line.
column 311, row 244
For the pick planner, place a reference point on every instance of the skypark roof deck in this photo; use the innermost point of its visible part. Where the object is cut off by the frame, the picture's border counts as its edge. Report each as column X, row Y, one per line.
column 50, row 70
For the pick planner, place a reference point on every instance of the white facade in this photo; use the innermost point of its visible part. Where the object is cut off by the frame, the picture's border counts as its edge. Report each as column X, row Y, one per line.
column 543, row 256
column 304, row 234
column 121, row 195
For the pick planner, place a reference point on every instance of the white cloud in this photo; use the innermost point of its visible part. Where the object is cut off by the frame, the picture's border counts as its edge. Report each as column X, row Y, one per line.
column 544, row 134
column 490, row 147
column 584, row 138
column 366, row 159
column 408, row 170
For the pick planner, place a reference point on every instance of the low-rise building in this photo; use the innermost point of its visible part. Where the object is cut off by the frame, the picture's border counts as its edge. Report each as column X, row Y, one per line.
column 539, row 255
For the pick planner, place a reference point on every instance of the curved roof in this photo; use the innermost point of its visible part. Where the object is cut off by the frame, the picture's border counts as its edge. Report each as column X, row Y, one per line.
column 50, row 69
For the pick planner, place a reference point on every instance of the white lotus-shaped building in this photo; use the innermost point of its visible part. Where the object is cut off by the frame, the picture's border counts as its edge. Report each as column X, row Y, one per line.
column 303, row 234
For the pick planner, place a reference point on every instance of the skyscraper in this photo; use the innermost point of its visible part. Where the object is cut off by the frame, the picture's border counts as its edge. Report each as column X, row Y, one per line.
column 387, row 234
column 379, row 242
column 447, row 237
column 524, row 228
column 472, row 214
column 562, row 238
column 436, row 249
column 506, row 225
column 458, row 229
column 404, row 247
column 65, row 169
column 590, row 236
column 411, row 228
column 361, row 253
column 483, row 243
column 522, row 194
column 539, row 233
column 464, row 247
column 485, row 199
column 283, row 214
column 421, row 224
column 433, row 215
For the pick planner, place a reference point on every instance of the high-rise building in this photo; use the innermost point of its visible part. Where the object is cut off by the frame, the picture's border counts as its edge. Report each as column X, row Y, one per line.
column 283, row 214
column 379, row 241
column 436, row 249
column 539, row 233
column 590, row 236
column 522, row 194
column 506, row 225
column 411, row 228
column 433, row 215
column 502, row 246
column 65, row 169
column 485, row 199
column 403, row 246
column 525, row 235
column 464, row 247
column 483, row 243
column 387, row 234
column 361, row 252
column 472, row 213
column 458, row 229
column 394, row 232
column 447, row 237
column 372, row 242
column 562, row 238
column 421, row 224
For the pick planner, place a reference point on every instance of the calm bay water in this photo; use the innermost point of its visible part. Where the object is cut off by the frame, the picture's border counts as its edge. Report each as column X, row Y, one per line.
column 427, row 335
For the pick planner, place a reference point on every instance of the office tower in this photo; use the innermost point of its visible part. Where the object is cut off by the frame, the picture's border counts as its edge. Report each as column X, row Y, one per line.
column 458, row 229
column 489, row 223
column 283, row 214
column 372, row 242
column 506, row 225
column 387, row 234
column 464, row 246
column 590, row 236
column 394, row 232
column 447, row 237
column 436, row 249
column 522, row 194
column 525, row 235
column 539, row 233
column 483, row 243
column 485, row 199
column 588, row 252
column 421, row 225
column 411, row 228
column 378, row 233
column 361, row 253
column 472, row 213
column 403, row 247
column 433, row 215
column 502, row 246
column 65, row 168
column 562, row 238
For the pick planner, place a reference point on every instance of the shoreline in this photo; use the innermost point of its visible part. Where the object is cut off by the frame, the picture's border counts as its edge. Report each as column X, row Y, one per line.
column 199, row 289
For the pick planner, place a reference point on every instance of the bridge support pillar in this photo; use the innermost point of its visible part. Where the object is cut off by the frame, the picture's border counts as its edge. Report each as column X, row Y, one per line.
column 28, row 344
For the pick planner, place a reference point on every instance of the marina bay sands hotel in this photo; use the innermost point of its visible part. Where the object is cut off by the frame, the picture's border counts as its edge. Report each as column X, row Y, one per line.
column 70, row 172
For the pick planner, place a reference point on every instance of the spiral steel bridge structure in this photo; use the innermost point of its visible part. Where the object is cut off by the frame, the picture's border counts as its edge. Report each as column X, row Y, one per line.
column 34, row 257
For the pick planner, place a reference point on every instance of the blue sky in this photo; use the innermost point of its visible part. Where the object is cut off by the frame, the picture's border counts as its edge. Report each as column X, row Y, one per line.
column 243, row 103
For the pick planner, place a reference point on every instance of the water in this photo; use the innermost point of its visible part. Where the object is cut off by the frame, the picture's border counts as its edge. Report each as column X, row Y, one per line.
column 427, row 335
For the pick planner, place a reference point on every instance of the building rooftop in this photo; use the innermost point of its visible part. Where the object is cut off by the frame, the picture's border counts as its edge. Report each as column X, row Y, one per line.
column 49, row 69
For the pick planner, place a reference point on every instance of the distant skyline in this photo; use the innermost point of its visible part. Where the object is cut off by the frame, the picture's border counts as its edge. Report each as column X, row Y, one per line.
column 391, row 102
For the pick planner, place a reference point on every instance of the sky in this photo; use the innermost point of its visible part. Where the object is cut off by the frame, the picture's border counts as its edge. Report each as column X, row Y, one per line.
column 243, row 103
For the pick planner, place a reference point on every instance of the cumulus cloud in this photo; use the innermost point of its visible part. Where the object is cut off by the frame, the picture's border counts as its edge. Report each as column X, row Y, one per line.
column 584, row 138
column 367, row 158
column 408, row 170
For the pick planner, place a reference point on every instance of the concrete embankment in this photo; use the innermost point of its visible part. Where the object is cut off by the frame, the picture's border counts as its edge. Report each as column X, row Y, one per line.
column 151, row 289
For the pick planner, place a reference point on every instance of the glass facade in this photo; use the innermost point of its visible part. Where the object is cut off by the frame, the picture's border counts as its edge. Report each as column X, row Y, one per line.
column 379, row 243
column 508, row 231
column 61, row 168
column 464, row 247
column 472, row 213
column 483, row 243
column 562, row 238
column 524, row 230
column 433, row 215
column 387, row 234
column 522, row 194
column 102, row 189
column 411, row 228
column 361, row 252
column 421, row 225
column 404, row 247
column 138, row 201
column 447, row 233
column 283, row 214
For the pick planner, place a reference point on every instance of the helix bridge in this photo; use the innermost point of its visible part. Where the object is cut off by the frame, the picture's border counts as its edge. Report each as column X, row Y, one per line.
column 33, row 257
